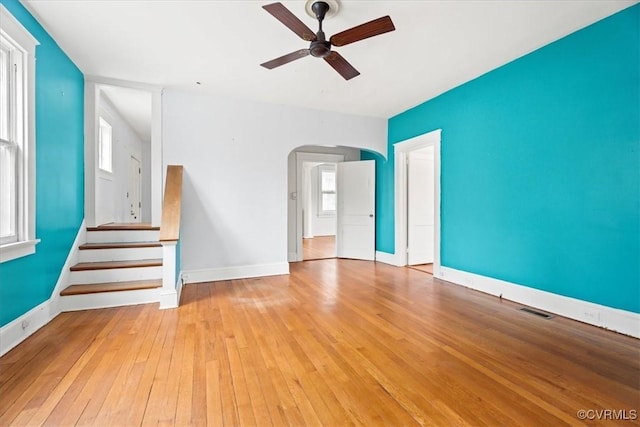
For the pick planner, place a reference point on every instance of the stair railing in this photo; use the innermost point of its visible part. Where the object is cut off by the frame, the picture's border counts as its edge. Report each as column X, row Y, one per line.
column 170, row 238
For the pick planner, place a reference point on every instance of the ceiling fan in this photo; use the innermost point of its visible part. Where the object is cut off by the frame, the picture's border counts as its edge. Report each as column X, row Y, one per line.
column 321, row 47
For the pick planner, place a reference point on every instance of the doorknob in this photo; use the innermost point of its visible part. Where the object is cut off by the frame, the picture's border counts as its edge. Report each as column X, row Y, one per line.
column 370, row 215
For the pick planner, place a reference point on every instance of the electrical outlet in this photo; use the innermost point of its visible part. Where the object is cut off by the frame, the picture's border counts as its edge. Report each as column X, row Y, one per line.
column 25, row 324
column 592, row 316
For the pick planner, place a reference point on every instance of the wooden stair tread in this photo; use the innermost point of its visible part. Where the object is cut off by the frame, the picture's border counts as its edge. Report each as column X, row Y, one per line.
column 94, row 288
column 124, row 227
column 122, row 245
column 108, row 265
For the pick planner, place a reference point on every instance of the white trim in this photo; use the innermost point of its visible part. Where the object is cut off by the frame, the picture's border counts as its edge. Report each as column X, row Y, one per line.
column 238, row 272
column 13, row 30
column 17, row 31
column 19, row 329
column 124, row 83
column 65, row 274
column 16, row 250
column 171, row 298
column 157, row 180
column 169, row 294
column 108, row 299
column 621, row 321
column 401, row 151
column 388, row 258
column 91, row 97
column 301, row 158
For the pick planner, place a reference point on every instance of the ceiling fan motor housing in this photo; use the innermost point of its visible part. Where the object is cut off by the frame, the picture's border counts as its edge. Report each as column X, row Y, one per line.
column 320, row 48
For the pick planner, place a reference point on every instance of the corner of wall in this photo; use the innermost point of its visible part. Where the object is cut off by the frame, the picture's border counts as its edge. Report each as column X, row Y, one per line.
column 24, row 326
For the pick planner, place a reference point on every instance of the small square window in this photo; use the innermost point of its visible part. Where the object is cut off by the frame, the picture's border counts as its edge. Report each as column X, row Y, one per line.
column 327, row 190
column 105, row 147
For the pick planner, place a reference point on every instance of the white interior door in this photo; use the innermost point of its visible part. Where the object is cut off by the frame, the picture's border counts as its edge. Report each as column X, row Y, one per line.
column 135, row 202
column 356, row 226
column 420, row 203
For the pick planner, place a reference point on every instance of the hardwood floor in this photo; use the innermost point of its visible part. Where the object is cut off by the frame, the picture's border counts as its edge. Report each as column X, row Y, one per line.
column 337, row 342
column 427, row 268
column 319, row 247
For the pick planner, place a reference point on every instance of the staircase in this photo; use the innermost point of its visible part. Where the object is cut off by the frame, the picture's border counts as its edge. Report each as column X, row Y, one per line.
column 118, row 265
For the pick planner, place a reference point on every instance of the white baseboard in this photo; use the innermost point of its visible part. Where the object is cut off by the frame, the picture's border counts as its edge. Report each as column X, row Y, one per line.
column 171, row 299
column 16, row 331
column 621, row 321
column 238, row 272
column 387, row 258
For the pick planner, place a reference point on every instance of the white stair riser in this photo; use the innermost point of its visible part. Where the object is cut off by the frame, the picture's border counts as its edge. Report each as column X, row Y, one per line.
column 108, row 299
column 109, row 236
column 115, row 275
column 120, row 254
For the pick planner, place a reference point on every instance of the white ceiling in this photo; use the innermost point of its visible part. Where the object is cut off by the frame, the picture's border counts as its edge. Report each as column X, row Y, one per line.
column 134, row 105
column 437, row 45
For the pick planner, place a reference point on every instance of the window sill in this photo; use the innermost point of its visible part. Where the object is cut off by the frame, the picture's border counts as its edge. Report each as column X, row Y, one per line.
column 16, row 250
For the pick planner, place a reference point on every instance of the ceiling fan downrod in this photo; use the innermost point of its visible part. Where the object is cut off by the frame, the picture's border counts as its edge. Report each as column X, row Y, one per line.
column 320, row 47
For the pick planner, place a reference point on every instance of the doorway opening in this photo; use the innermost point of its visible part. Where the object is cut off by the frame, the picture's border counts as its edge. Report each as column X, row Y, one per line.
column 331, row 204
column 417, row 203
column 319, row 202
column 420, row 208
column 129, row 190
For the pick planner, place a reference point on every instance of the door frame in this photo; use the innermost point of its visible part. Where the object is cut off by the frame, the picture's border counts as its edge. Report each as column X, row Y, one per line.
column 91, row 99
column 301, row 158
column 401, row 152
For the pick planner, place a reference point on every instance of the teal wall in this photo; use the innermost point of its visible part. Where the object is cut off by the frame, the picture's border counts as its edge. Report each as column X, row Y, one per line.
column 29, row 281
column 541, row 167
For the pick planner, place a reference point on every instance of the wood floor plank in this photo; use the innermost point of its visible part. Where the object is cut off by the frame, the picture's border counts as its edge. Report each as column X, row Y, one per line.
column 336, row 342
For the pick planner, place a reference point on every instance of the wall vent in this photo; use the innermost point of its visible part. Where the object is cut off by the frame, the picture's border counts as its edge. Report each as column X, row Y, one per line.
column 537, row 313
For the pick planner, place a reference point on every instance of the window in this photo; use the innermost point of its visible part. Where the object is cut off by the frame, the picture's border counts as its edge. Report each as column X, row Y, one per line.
column 17, row 139
column 327, row 190
column 105, row 147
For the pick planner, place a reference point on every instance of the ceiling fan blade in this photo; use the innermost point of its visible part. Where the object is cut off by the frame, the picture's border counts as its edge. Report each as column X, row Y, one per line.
column 286, row 59
column 292, row 22
column 364, row 31
column 341, row 65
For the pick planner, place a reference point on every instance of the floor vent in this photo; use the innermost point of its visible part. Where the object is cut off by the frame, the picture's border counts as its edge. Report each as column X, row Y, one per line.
column 537, row 313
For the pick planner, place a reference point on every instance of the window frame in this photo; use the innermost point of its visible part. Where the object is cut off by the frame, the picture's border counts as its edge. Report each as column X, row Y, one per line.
column 22, row 134
column 104, row 124
column 321, row 211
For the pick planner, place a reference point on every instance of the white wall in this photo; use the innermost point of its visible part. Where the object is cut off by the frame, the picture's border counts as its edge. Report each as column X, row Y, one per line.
column 146, row 182
column 236, row 155
column 111, row 191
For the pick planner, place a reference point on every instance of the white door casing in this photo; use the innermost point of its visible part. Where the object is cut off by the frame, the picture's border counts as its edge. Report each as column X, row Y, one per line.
column 356, row 185
column 401, row 150
column 420, row 206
